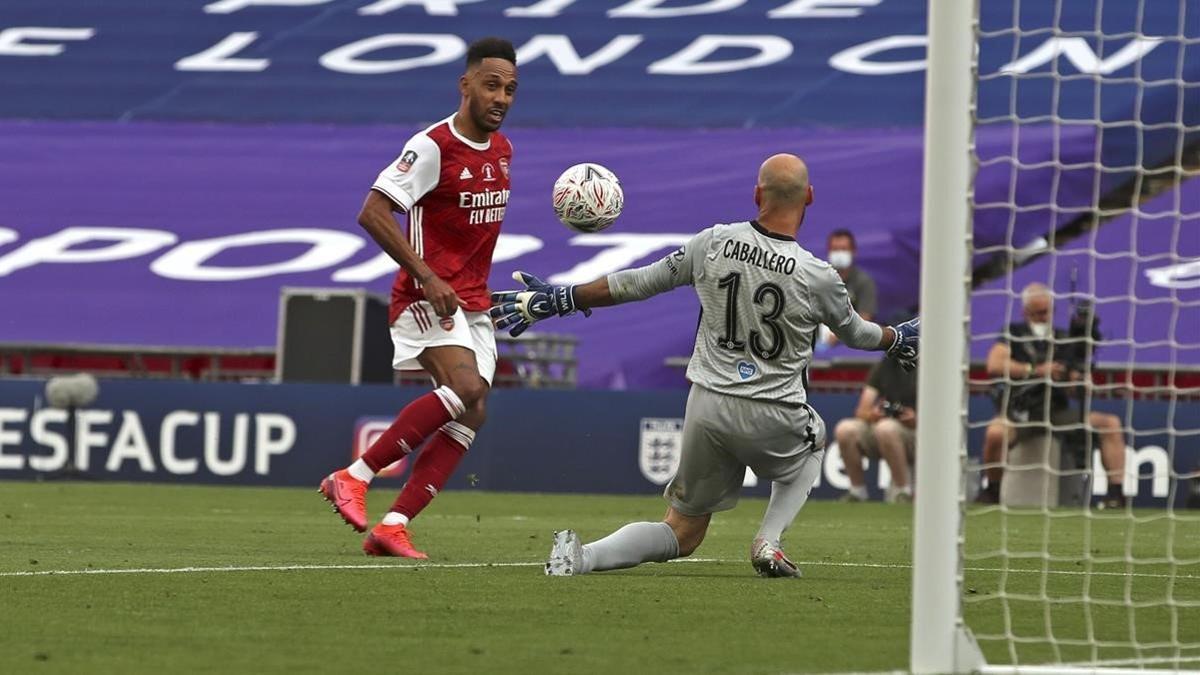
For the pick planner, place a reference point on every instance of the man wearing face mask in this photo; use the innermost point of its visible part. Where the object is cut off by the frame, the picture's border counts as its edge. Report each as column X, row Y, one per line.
column 841, row 249
column 1033, row 355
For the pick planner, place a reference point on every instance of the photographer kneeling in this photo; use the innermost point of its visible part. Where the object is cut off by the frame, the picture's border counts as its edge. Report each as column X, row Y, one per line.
column 1032, row 356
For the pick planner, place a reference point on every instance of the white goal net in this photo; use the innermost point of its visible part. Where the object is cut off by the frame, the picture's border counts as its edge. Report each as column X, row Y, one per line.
column 1079, row 507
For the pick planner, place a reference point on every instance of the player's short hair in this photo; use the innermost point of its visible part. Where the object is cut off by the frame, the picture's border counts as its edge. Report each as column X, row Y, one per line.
column 844, row 233
column 488, row 48
column 783, row 191
column 1035, row 290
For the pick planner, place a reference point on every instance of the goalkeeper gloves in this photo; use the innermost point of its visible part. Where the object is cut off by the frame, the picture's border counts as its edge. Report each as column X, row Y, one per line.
column 907, row 345
column 518, row 310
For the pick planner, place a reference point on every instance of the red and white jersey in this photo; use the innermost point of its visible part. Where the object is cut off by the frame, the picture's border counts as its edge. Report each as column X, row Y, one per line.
column 455, row 192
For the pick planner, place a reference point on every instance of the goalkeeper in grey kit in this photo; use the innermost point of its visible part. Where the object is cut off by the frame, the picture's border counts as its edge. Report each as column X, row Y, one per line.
column 762, row 297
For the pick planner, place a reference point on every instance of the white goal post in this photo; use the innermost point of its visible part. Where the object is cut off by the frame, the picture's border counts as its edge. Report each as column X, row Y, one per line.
column 939, row 642
column 1062, row 586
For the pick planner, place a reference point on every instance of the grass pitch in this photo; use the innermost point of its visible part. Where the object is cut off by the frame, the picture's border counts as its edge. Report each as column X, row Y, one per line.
column 482, row 605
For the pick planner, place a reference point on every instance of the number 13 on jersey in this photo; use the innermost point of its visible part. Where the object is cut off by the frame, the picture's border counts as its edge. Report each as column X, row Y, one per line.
column 765, row 344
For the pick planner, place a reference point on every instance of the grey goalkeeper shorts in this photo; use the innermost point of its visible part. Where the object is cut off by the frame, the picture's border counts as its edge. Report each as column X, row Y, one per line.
column 722, row 435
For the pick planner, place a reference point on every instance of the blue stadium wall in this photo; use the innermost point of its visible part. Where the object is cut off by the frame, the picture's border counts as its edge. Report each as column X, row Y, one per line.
column 292, row 435
column 593, row 63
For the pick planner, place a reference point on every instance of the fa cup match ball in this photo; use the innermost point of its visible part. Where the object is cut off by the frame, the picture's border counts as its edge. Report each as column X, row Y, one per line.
column 588, row 197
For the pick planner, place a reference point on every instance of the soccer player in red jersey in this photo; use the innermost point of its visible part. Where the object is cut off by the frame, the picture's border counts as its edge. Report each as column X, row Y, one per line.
column 452, row 181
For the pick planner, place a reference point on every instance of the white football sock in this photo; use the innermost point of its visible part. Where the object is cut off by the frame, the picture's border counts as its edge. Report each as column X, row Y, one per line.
column 395, row 518
column 450, row 401
column 788, row 498
column 361, row 471
column 631, row 545
column 859, row 491
column 459, row 433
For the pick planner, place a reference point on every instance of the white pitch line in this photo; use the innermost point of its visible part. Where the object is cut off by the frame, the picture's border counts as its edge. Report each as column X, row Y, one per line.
column 293, row 568
column 1104, row 663
column 418, row 566
column 253, row 568
column 899, row 566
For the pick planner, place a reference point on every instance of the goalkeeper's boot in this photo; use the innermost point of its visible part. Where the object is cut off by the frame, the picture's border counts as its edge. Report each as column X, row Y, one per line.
column 769, row 561
column 348, row 496
column 566, row 555
column 393, row 541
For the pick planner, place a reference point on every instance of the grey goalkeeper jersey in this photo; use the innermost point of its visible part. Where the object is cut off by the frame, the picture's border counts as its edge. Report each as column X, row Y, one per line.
column 761, row 296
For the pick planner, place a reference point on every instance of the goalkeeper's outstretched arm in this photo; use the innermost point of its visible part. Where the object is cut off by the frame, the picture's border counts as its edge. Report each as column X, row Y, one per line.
column 520, row 309
column 630, row 285
column 593, row 294
column 831, row 302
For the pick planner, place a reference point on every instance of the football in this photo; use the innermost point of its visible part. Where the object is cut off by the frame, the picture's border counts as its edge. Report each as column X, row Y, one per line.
column 588, row 197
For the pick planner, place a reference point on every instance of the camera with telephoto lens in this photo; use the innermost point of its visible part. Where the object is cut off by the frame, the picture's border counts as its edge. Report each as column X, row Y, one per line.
column 891, row 408
column 1083, row 333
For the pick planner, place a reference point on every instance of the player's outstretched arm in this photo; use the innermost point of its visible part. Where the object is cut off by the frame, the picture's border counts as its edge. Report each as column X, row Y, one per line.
column 831, row 302
column 376, row 218
column 517, row 310
column 901, row 342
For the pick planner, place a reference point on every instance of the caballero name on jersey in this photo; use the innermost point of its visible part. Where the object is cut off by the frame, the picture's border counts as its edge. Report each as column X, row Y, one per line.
column 753, row 255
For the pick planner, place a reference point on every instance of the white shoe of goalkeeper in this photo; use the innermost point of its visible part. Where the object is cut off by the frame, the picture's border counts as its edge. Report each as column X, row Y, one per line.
column 769, row 561
column 566, row 556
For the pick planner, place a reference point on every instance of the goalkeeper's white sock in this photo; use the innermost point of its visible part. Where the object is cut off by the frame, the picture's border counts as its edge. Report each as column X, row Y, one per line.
column 361, row 471
column 629, row 546
column 788, row 498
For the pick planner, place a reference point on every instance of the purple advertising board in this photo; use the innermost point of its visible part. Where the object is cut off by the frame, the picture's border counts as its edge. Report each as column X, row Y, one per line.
column 205, row 224
column 184, row 234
